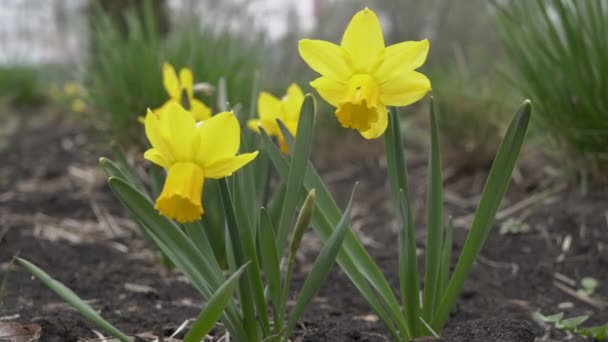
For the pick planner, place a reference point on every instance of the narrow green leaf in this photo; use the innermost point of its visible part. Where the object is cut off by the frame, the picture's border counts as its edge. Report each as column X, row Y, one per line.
column 246, row 290
column 447, row 256
column 493, row 192
column 354, row 259
column 320, row 268
column 246, row 211
column 297, row 170
column 111, row 169
column 213, row 310
column 304, row 218
column 408, row 261
column 127, row 169
column 270, row 262
column 199, row 236
column 176, row 245
column 73, row 299
column 434, row 225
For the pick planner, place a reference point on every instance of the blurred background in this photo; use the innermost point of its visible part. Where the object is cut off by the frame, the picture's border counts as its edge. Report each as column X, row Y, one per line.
column 100, row 62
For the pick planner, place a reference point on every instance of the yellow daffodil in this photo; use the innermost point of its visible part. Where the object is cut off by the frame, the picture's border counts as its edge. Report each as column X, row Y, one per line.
column 180, row 91
column 360, row 77
column 287, row 109
column 191, row 152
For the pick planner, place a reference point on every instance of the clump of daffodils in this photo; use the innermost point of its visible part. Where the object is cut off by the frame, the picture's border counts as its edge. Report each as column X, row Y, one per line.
column 287, row 109
column 191, row 152
column 362, row 76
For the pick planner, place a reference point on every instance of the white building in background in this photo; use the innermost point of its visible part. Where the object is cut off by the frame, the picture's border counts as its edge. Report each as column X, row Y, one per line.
column 56, row 31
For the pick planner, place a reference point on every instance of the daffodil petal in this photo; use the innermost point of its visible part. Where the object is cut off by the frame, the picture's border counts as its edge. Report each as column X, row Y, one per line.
column 187, row 81
column 254, row 125
column 171, row 82
column 157, row 158
column 199, row 110
column 220, row 138
column 326, row 58
column 225, row 167
column 181, row 128
column 269, row 107
column 401, row 58
column 379, row 127
column 406, row 89
column 157, row 137
column 363, row 39
column 293, row 102
column 330, row 90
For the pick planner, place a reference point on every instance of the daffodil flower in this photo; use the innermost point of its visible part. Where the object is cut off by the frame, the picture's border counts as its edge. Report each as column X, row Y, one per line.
column 360, row 77
column 180, row 91
column 286, row 109
column 191, row 152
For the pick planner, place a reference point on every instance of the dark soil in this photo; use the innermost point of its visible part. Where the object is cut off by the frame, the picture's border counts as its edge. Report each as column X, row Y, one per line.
column 56, row 211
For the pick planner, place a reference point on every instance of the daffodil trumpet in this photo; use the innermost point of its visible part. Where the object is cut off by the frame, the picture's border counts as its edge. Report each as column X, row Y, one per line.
column 190, row 152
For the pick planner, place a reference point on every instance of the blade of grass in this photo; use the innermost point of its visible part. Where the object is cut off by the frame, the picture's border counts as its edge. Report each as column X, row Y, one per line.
column 408, row 264
column 320, row 268
column 213, row 310
column 73, row 299
column 493, row 192
column 434, row 225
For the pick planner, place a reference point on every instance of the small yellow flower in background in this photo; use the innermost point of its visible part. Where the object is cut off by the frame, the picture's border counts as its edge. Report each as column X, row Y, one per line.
column 191, row 152
column 287, row 109
column 180, row 91
column 361, row 76
column 72, row 89
column 78, row 105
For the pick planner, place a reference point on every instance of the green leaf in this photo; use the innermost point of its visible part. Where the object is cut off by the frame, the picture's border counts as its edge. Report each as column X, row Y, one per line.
column 549, row 319
column 297, row 169
column 246, row 290
column 176, row 245
column 446, row 259
column 354, row 259
column 434, row 225
column 128, row 171
column 213, row 310
column 111, row 169
column 270, row 262
column 571, row 323
column 408, row 261
column 320, row 268
column 246, row 211
column 493, row 192
column 198, row 234
column 599, row 333
column 304, row 218
column 73, row 299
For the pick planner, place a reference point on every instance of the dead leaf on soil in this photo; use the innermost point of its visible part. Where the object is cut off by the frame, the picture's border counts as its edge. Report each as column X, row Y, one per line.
column 15, row 332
